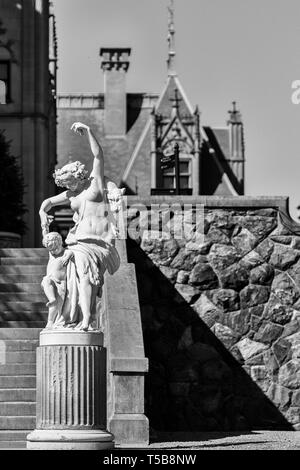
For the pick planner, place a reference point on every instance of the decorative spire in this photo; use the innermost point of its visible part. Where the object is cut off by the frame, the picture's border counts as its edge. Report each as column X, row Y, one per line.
column 171, row 39
column 235, row 116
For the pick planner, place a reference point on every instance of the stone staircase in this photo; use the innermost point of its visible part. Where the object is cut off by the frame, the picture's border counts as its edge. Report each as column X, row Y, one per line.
column 22, row 316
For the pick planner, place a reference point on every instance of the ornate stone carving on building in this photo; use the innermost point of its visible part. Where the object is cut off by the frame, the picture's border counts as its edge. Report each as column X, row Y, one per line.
column 168, row 130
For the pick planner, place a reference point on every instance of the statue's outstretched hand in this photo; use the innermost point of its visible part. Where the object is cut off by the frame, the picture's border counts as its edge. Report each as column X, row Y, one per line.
column 79, row 128
column 46, row 220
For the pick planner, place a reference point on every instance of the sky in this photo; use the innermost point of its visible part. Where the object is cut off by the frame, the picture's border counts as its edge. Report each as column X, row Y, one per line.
column 243, row 50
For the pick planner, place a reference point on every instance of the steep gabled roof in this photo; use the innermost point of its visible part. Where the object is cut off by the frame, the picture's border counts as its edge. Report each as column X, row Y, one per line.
column 164, row 104
column 163, row 107
column 174, row 106
column 228, row 183
column 222, row 137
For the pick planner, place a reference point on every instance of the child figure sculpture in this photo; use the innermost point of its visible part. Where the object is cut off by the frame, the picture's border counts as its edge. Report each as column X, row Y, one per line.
column 54, row 283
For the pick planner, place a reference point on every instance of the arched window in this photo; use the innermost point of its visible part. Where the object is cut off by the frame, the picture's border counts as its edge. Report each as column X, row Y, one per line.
column 185, row 171
column 4, row 82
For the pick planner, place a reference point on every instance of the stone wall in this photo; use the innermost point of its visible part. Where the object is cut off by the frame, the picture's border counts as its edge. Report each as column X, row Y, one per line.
column 221, row 319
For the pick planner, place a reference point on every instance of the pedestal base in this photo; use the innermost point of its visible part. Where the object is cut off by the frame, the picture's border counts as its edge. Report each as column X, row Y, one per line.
column 130, row 430
column 71, row 392
column 66, row 439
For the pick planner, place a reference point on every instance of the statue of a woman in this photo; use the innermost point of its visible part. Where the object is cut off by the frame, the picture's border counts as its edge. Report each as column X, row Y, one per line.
column 91, row 238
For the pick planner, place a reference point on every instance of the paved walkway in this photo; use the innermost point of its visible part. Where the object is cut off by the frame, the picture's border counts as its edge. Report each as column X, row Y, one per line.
column 255, row 440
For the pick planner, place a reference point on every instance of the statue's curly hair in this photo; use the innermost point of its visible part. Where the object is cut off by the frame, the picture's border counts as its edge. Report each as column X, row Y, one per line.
column 76, row 170
column 51, row 238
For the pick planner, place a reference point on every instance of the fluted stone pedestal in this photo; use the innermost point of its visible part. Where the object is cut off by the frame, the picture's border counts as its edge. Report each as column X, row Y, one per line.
column 71, row 392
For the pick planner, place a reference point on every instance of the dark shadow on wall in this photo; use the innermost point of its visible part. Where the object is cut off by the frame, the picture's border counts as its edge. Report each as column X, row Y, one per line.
column 208, row 166
column 134, row 106
column 221, row 157
column 194, row 383
column 129, row 191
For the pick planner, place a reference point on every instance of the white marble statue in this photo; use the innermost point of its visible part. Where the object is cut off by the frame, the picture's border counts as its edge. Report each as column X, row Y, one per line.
column 55, row 281
column 91, row 240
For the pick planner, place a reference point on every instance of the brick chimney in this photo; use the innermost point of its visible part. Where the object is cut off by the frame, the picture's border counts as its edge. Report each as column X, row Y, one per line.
column 115, row 64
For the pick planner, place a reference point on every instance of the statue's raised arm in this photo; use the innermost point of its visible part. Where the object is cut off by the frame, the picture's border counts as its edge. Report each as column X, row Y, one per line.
column 97, row 173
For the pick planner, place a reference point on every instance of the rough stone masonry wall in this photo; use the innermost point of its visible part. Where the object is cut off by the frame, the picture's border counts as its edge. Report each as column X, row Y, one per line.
column 221, row 323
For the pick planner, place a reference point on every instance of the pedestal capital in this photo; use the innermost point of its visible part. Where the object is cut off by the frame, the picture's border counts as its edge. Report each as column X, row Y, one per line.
column 69, row 337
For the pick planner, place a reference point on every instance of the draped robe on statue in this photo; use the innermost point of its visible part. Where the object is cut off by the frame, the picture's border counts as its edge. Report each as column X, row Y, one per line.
column 92, row 256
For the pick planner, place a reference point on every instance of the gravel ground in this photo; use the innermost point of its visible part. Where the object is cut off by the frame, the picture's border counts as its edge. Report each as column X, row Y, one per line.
column 255, row 440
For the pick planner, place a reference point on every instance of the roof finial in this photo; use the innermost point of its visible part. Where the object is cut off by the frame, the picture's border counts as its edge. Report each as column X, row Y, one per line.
column 171, row 39
column 234, row 115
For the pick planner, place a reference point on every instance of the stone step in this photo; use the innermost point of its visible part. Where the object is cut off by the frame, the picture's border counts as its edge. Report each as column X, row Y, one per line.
column 9, row 435
column 13, row 445
column 23, row 270
column 23, row 324
column 23, row 261
column 17, row 408
column 20, row 345
column 20, row 333
column 18, row 287
column 14, row 370
column 23, row 316
column 23, row 252
column 21, row 306
column 21, row 278
column 20, row 394
column 21, row 296
column 17, row 357
column 17, row 422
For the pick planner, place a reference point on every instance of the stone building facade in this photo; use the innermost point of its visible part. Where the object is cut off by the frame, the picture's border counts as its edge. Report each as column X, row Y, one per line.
column 138, row 129
column 27, row 98
column 135, row 129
